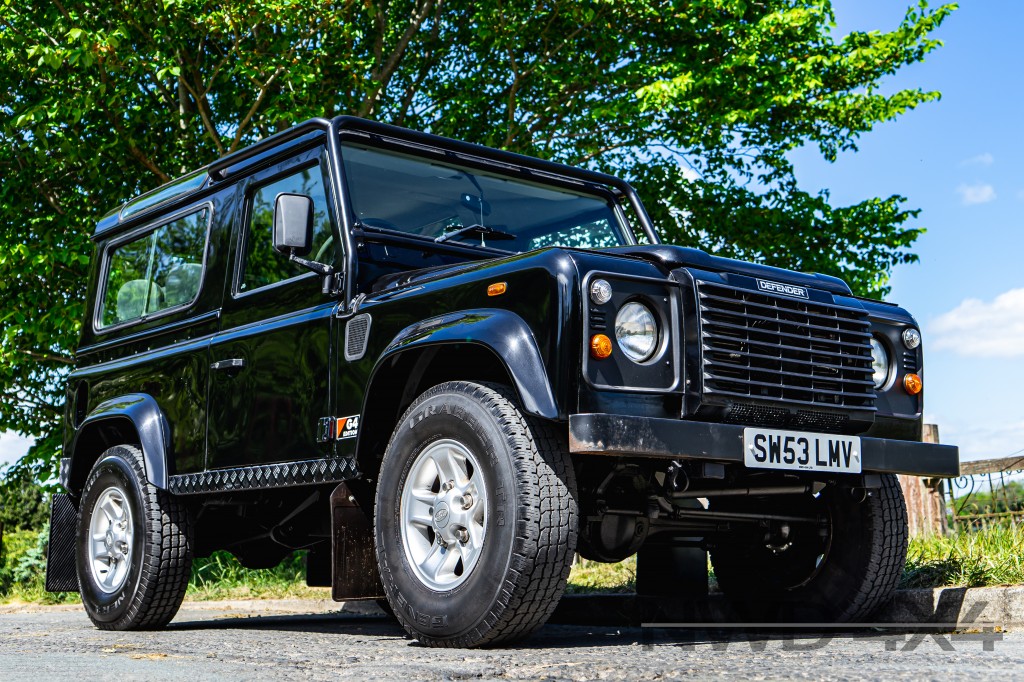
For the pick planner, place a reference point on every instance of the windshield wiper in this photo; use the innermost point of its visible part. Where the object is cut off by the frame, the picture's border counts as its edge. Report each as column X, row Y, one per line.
column 481, row 230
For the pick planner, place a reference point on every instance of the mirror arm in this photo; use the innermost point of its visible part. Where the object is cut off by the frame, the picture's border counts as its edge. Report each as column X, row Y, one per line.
column 321, row 269
column 332, row 283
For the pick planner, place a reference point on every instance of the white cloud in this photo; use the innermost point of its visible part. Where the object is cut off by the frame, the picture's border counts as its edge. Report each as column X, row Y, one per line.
column 985, row 159
column 976, row 328
column 12, row 447
column 982, row 441
column 978, row 193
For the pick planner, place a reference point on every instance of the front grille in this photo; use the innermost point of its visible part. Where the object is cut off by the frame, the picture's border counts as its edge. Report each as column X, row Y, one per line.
column 805, row 354
column 802, row 420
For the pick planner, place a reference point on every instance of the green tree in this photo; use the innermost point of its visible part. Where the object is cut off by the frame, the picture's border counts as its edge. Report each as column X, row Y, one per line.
column 697, row 101
column 24, row 504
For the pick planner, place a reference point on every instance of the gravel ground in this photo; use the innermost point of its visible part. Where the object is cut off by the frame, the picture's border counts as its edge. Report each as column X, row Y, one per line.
column 227, row 642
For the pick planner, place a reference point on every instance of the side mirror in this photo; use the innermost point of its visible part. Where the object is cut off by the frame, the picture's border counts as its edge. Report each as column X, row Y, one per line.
column 293, row 224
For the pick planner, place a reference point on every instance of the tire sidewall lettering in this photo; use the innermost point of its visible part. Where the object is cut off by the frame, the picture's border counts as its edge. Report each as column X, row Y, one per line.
column 110, row 470
column 448, row 416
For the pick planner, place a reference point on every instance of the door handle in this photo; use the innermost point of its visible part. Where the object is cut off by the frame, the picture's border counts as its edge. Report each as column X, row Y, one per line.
column 233, row 363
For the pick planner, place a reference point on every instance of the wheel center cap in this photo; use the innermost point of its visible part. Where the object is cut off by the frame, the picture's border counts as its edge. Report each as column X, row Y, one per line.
column 441, row 514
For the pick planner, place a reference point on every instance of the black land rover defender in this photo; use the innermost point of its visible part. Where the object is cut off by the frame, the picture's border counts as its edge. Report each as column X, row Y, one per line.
column 444, row 370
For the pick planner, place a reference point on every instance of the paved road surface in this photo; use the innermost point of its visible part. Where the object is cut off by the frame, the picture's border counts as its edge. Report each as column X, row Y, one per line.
column 228, row 644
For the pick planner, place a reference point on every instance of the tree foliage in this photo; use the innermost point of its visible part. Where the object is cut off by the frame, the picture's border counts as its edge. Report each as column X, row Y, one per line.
column 24, row 504
column 697, row 101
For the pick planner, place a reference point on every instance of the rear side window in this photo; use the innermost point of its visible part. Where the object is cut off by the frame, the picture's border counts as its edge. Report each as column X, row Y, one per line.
column 159, row 270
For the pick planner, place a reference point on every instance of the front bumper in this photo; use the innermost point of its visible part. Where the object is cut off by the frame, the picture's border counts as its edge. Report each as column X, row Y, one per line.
column 612, row 434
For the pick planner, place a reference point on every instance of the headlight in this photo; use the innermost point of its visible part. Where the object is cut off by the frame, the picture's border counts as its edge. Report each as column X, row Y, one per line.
column 636, row 331
column 879, row 363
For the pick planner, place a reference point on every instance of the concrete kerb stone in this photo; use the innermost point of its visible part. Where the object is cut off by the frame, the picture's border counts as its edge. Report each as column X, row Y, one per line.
column 1002, row 607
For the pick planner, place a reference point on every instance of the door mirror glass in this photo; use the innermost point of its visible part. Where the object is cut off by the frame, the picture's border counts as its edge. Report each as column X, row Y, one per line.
column 293, row 224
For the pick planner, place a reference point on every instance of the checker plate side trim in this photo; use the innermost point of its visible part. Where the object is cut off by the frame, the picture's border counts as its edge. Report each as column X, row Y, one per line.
column 280, row 475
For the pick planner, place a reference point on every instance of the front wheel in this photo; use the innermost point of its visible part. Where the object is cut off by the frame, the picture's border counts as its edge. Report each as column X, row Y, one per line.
column 838, row 571
column 476, row 518
column 134, row 545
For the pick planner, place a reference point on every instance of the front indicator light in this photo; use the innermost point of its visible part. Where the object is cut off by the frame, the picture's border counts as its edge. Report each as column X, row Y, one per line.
column 600, row 291
column 911, row 338
column 600, row 346
column 912, row 384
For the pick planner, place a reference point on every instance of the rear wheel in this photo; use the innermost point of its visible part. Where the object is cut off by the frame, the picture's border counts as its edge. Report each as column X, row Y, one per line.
column 838, row 572
column 476, row 518
column 134, row 545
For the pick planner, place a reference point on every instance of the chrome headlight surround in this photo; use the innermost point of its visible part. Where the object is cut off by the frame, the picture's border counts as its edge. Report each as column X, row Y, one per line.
column 881, row 363
column 636, row 331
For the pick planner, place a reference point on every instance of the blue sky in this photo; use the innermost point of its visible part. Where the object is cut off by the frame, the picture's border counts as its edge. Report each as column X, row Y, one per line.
column 957, row 159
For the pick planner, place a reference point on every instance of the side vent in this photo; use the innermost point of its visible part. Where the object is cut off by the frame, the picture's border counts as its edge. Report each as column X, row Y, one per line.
column 357, row 333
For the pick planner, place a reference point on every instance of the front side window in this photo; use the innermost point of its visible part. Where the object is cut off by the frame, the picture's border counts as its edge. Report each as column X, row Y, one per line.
column 263, row 265
column 157, row 271
column 428, row 198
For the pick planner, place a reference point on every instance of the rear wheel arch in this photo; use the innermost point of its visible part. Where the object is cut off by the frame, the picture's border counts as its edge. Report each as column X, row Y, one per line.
column 92, row 441
column 134, row 419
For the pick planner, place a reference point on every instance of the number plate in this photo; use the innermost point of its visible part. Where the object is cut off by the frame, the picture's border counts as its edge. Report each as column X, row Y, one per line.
column 774, row 449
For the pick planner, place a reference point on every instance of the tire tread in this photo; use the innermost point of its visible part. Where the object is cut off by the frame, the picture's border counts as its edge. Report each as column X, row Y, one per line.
column 166, row 568
column 546, row 531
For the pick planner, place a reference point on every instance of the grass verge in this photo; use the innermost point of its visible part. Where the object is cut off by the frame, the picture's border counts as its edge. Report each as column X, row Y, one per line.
column 990, row 556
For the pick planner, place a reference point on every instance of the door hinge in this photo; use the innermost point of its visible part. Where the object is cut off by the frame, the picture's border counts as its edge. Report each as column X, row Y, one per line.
column 325, row 429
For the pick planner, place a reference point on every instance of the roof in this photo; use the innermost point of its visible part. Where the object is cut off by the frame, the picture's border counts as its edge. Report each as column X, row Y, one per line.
column 192, row 183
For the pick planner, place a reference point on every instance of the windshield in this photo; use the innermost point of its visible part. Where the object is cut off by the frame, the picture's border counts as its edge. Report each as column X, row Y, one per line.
column 416, row 196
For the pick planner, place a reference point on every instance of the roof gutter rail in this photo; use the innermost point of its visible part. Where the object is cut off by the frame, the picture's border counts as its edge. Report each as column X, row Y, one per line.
column 218, row 169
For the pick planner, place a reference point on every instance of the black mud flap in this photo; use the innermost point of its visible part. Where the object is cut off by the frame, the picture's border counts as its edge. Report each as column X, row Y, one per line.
column 61, row 575
column 354, row 574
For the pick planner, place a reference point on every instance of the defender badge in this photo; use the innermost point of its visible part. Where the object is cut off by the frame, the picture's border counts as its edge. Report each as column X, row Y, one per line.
column 784, row 289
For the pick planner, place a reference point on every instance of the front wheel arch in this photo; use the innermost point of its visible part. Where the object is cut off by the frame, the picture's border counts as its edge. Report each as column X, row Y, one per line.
column 399, row 378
